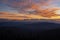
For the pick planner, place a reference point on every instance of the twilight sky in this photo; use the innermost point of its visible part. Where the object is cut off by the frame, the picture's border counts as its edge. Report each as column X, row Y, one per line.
column 20, row 5
column 29, row 9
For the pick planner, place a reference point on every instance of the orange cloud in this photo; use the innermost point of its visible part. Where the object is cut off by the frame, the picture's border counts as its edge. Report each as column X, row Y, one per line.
column 21, row 16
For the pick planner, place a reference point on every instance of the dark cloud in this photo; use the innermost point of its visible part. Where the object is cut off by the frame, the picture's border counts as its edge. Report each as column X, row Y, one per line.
column 23, row 4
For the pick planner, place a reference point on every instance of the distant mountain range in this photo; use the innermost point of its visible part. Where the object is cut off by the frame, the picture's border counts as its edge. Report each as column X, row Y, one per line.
column 28, row 29
column 29, row 24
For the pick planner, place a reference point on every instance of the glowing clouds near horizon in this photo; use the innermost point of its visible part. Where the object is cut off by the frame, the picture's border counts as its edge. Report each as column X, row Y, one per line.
column 57, row 12
column 21, row 16
column 17, row 16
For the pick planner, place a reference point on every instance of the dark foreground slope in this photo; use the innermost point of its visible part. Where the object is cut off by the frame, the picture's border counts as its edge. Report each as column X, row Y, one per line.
column 25, row 30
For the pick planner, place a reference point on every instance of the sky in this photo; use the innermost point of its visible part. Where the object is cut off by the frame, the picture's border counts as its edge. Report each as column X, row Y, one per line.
column 5, row 8
column 24, row 6
column 20, row 5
